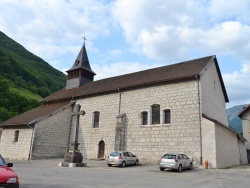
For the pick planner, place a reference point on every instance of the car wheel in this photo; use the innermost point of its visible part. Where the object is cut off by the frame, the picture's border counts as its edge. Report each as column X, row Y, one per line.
column 161, row 169
column 123, row 164
column 109, row 165
column 136, row 162
column 179, row 168
column 191, row 166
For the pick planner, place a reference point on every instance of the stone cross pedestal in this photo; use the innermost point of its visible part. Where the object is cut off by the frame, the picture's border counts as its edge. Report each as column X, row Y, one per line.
column 73, row 157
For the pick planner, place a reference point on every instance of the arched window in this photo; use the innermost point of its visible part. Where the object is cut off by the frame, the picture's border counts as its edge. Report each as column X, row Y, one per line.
column 167, row 116
column 144, row 118
column 155, row 110
column 96, row 117
column 16, row 135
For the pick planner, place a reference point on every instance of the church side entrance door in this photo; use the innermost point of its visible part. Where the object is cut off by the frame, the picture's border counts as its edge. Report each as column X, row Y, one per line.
column 101, row 149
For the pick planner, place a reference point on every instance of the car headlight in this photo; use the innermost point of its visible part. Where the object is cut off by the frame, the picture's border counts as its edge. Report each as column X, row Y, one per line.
column 12, row 180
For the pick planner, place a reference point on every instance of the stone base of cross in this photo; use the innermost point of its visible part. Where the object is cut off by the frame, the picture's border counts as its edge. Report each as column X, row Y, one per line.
column 73, row 157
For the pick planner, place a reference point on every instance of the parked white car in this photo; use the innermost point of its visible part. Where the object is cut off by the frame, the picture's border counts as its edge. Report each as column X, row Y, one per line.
column 175, row 161
column 122, row 158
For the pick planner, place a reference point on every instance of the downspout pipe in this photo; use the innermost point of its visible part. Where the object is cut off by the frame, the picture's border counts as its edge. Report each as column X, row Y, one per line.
column 119, row 100
column 199, row 114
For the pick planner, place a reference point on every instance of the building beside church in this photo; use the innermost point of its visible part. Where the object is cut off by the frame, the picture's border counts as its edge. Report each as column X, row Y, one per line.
column 245, row 117
column 174, row 108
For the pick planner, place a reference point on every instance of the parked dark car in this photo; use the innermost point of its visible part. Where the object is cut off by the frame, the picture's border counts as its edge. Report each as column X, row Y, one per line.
column 8, row 178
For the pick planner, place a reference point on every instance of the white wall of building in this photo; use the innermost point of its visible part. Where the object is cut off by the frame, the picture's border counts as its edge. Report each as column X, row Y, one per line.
column 243, row 153
column 208, row 142
column 213, row 101
column 246, row 128
column 227, row 149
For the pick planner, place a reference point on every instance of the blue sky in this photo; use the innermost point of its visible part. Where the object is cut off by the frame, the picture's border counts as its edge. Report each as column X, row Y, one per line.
column 126, row 36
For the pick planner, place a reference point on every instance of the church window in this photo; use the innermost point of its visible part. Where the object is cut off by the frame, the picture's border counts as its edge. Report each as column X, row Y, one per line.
column 96, row 119
column 155, row 110
column 16, row 135
column 167, row 116
column 144, row 116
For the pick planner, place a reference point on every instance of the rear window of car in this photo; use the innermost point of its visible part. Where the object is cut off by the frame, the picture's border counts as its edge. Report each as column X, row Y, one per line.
column 115, row 154
column 169, row 156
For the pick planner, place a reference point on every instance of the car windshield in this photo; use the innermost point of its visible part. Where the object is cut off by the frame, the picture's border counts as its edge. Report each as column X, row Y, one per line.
column 115, row 154
column 169, row 156
column 2, row 162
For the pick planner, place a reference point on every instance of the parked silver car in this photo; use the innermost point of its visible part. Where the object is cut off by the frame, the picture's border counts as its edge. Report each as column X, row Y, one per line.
column 175, row 161
column 122, row 158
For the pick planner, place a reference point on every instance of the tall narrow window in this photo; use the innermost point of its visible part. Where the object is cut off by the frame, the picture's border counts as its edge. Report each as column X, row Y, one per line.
column 155, row 114
column 144, row 116
column 96, row 119
column 167, row 116
column 16, row 135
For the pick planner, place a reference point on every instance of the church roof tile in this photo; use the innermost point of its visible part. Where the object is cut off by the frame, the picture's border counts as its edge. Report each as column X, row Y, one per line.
column 32, row 116
column 174, row 72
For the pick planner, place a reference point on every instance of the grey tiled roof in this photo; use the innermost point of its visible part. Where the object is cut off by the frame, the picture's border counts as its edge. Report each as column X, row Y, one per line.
column 171, row 73
column 36, row 114
column 82, row 61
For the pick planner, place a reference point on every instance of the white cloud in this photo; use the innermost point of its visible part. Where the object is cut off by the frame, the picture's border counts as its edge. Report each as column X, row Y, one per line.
column 170, row 31
column 106, row 71
column 220, row 10
column 180, row 27
column 237, row 85
column 163, row 31
column 53, row 24
column 246, row 68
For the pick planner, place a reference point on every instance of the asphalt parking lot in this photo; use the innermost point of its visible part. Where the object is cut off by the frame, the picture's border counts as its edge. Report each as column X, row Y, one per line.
column 47, row 174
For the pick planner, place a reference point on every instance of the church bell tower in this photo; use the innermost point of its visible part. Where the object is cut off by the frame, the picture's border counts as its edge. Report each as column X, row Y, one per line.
column 80, row 73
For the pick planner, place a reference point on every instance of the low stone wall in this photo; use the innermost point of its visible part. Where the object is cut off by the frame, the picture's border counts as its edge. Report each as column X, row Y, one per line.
column 16, row 150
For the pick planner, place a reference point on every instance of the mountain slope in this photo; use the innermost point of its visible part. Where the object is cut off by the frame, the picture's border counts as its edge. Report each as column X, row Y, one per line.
column 233, row 119
column 24, row 78
column 15, row 59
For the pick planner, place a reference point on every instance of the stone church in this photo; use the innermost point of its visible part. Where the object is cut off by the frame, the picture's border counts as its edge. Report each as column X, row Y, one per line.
column 174, row 108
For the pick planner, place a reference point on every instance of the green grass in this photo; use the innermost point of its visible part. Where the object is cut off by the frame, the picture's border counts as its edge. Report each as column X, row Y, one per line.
column 25, row 93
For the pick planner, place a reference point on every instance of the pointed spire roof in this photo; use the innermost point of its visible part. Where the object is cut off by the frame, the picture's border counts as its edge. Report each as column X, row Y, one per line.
column 82, row 61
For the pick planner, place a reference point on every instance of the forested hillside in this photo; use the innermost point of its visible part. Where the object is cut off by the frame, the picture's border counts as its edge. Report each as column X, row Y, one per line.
column 233, row 119
column 24, row 78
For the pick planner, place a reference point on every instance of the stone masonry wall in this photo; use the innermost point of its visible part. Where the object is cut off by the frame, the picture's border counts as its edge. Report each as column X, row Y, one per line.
column 16, row 150
column 51, row 135
column 148, row 142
